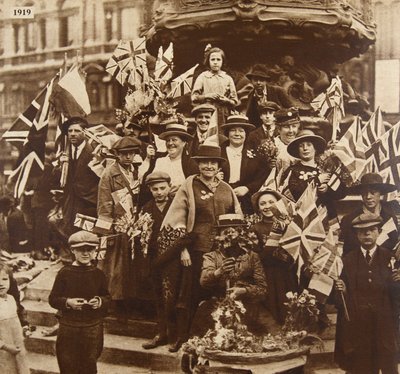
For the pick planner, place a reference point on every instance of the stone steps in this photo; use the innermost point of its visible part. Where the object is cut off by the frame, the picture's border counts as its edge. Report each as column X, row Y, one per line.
column 45, row 364
column 118, row 350
column 40, row 313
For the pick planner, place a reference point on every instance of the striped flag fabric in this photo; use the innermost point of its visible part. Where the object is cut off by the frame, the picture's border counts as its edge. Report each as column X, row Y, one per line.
column 388, row 228
column 182, row 85
column 331, row 98
column 18, row 132
column 128, row 59
column 351, row 150
column 327, row 259
column 306, row 231
column 32, row 153
column 389, row 155
column 334, row 181
column 164, row 64
column 372, row 131
column 69, row 96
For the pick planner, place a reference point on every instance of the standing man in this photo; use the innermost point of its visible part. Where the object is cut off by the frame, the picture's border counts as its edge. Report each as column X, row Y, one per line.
column 203, row 115
column 177, row 162
column 80, row 191
column 262, row 92
column 371, row 189
column 267, row 129
column 118, row 194
column 366, row 341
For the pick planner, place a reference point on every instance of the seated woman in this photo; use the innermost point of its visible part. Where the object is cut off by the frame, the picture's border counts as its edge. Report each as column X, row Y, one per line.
column 278, row 265
column 232, row 270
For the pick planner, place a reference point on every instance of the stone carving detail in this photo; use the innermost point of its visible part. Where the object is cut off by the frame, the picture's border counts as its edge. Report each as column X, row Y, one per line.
column 201, row 3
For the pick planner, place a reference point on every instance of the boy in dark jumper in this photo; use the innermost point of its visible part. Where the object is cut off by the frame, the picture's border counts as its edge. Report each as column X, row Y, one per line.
column 80, row 294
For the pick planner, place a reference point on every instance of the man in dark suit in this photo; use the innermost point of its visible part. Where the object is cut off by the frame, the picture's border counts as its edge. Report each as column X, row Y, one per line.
column 366, row 338
column 263, row 92
column 203, row 115
column 371, row 189
column 244, row 170
column 80, row 190
column 267, row 129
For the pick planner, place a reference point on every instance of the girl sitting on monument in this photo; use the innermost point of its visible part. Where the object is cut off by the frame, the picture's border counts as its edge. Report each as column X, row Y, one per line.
column 215, row 85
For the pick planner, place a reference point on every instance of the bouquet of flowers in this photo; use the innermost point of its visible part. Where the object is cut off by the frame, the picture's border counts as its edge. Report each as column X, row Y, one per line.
column 242, row 237
column 328, row 162
column 302, row 312
column 267, row 150
column 141, row 226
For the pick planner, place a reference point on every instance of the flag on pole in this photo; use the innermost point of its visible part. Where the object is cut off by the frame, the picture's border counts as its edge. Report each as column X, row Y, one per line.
column 127, row 57
column 69, row 96
column 351, row 150
column 331, row 103
column 32, row 154
column 164, row 64
column 389, row 155
column 388, row 228
column 331, row 98
column 182, row 84
column 306, row 231
column 18, row 132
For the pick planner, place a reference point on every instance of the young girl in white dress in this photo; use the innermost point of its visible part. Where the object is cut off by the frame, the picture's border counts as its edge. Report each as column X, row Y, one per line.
column 12, row 349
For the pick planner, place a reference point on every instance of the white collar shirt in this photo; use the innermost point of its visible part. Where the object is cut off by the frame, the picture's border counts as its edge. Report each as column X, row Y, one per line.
column 78, row 149
column 235, row 161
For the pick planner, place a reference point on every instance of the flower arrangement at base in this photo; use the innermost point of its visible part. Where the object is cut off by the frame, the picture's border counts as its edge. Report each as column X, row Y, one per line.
column 230, row 339
column 302, row 312
column 141, row 226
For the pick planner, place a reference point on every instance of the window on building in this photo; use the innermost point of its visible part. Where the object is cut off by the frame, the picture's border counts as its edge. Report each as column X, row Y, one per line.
column 109, row 15
column 1, row 40
column 16, row 29
column 42, row 29
column 130, row 22
column 387, row 85
column 30, row 36
column 68, row 31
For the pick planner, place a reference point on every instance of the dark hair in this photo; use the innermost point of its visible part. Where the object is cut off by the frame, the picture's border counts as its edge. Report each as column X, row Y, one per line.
column 5, row 203
column 214, row 50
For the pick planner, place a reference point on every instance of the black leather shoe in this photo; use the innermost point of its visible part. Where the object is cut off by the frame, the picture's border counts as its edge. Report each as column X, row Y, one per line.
column 157, row 341
column 176, row 346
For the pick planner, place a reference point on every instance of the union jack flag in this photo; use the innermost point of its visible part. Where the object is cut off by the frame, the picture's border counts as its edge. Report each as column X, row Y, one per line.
column 182, row 85
column 331, row 98
column 128, row 56
column 306, row 231
column 164, row 64
column 32, row 153
column 389, row 155
column 18, row 132
column 351, row 150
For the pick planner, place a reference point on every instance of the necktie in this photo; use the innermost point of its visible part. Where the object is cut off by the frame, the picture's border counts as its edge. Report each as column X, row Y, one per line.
column 368, row 256
column 75, row 153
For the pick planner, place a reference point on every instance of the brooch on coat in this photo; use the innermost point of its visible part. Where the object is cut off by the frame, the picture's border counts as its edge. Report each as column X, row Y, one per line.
column 250, row 153
column 205, row 195
column 308, row 175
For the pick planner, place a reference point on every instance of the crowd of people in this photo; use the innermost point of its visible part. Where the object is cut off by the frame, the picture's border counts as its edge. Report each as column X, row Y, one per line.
column 199, row 188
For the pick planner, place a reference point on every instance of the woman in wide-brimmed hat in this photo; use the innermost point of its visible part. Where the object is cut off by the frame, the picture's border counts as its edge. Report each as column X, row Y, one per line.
column 194, row 211
column 305, row 147
column 281, row 275
column 244, row 170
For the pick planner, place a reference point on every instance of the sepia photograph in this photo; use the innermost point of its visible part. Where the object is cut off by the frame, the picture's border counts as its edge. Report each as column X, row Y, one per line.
column 199, row 186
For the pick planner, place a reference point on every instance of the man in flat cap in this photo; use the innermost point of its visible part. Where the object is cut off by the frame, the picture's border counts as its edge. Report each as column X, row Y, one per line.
column 118, row 195
column 80, row 191
column 366, row 340
column 267, row 129
column 203, row 115
column 159, row 184
column 371, row 189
